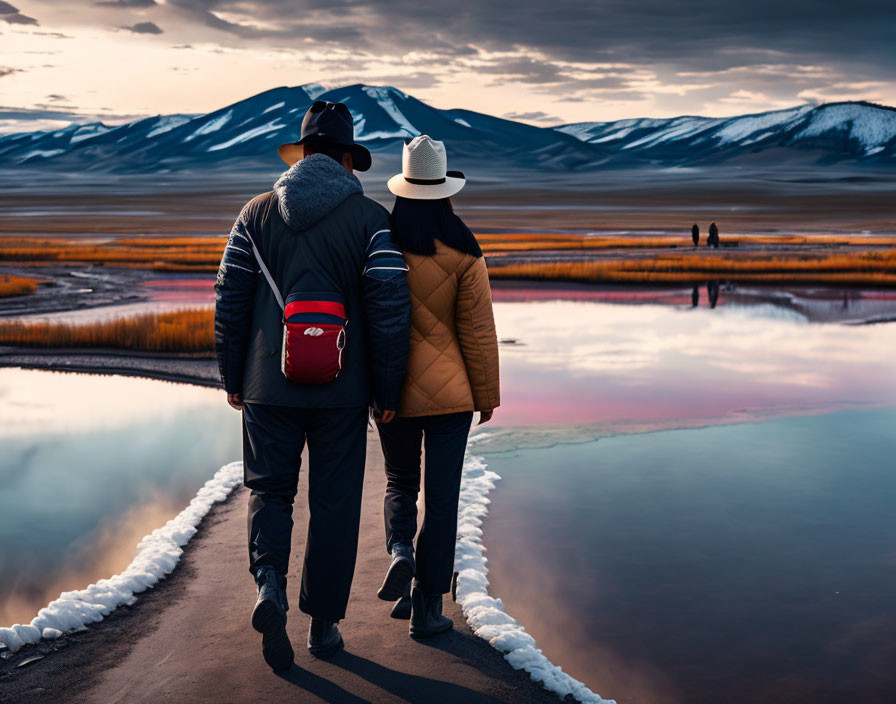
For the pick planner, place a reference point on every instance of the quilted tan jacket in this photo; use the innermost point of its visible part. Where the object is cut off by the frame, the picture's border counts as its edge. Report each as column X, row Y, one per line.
column 453, row 362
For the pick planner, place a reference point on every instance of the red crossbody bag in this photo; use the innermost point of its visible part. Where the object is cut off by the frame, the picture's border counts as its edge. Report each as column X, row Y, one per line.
column 314, row 332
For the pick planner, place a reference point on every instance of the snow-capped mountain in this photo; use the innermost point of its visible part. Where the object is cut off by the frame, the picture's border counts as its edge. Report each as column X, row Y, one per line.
column 825, row 133
column 244, row 136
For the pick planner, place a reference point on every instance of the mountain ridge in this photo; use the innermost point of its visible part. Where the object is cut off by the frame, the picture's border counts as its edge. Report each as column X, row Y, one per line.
column 244, row 134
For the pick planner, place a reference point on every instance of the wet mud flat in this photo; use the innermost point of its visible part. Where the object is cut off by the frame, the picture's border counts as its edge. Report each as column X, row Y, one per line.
column 187, row 369
column 667, row 200
column 79, row 287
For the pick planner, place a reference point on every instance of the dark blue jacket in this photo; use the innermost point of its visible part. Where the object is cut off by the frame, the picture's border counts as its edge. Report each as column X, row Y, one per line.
column 316, row 232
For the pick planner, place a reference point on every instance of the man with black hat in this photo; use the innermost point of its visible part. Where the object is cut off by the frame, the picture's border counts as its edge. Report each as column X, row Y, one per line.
column 317, row 243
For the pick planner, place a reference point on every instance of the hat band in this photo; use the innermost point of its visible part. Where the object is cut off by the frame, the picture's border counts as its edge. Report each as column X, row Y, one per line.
column 424, row 181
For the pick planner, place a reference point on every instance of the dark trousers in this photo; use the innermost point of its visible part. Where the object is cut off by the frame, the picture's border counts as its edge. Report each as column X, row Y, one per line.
column 273, row 439
column 444, row 437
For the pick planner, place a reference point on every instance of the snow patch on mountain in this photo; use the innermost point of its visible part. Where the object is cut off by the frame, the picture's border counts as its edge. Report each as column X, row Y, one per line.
column 273, row 107
column 599, row 132
column 757, row 138
column 87, row 131
column 679, row 128
column 362, row 134
column 621, row 134
column 872, row 128
column 581, row 130
column 41, row 154
column 313, row 90
column 249, row 134
column 212, row 125
column 383, row 97
column 166, row 123
column 740, row 128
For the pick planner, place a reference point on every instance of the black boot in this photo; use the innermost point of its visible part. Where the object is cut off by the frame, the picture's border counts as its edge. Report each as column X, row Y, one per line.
column 324, row 638
column 426, row 614
column 269, row 619
column 402, row 608
column 400, row 572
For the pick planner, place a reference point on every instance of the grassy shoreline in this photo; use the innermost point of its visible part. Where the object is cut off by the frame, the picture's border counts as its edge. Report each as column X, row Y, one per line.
column 189, row 330
column 859, row 268
column 822, row 258
column 13, row 285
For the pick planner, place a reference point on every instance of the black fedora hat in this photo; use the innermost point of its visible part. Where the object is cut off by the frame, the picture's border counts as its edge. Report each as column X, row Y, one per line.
column 327, row 124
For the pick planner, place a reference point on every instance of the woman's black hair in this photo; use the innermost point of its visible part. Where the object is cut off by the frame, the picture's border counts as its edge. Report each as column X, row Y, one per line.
column 417, row 224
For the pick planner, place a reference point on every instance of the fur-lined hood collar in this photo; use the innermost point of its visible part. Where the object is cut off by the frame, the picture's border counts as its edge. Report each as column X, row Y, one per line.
column 311, row 188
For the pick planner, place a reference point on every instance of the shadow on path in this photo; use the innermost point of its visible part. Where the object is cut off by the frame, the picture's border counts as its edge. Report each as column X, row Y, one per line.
column 414, row 689
column 321, row 687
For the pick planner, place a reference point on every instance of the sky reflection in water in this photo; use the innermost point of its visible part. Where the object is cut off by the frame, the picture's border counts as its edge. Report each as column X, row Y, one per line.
column 739, row 563
column 743, row 563
column 91, row 464
column 580, row 362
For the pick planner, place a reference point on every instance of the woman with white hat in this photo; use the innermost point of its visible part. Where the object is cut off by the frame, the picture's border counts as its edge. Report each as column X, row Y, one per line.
column 452, row 372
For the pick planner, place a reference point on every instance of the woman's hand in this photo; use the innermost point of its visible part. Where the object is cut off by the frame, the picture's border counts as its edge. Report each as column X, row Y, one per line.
column 235, row 401
column 382, row 417
column 485, row 416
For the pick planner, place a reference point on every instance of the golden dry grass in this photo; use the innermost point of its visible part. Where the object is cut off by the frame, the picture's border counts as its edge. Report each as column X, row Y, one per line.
column 204, row 253
column 679, row 262
column 158, row 253
column 520, row 242
column 860, row 268
column 12, row 285
column 179, row 331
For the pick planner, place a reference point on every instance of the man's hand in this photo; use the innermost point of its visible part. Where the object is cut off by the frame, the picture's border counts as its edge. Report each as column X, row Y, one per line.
column 485, row 416
column 235, row 401
column 382, row 417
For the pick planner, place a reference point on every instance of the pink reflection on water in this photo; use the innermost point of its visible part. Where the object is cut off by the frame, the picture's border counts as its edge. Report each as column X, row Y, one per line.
column 186, row 291
column 509, row 292
column 577, row 362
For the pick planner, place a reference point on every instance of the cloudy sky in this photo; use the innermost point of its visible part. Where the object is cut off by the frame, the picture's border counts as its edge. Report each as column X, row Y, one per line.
column 542, row 61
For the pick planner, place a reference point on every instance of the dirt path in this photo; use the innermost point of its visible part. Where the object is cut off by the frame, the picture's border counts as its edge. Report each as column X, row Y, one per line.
column 189, row 639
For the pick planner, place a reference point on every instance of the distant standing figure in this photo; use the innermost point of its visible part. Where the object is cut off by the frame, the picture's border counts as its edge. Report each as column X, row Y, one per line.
column 712, row 292
column 713, row 239
column 695, row 234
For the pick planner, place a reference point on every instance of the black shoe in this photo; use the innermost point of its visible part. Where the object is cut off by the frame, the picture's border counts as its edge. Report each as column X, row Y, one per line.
column 400, row 573
column 426, row 615
column 270, row 609
column 402, row 608
column 269, row 619
column 324, row 638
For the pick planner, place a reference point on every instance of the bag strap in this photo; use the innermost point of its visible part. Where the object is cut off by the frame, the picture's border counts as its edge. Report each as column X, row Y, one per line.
column 267, row 274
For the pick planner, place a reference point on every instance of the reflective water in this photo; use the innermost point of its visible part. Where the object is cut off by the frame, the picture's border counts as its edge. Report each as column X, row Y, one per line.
column 752, row 562
column 90, row 464
column 744, row 550
column 698, row 565
column 582, row 361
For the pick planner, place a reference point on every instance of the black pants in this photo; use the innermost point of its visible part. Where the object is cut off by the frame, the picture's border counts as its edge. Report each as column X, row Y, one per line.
column 273, row 439
column 444, row 438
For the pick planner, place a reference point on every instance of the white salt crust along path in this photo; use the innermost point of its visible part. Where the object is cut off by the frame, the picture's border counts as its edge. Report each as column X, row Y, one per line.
column 159, row 552
column 157, row 555
column 486, row 614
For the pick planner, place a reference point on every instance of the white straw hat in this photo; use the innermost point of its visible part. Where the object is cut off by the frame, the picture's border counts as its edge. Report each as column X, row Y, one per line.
column 424, row 171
